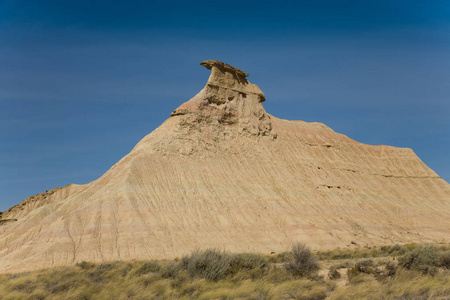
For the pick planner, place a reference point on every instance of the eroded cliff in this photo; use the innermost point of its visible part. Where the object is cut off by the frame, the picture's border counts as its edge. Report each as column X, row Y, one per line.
column 222, row 172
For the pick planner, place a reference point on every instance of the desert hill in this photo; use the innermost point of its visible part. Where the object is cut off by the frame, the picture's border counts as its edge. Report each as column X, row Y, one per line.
column 222, row 172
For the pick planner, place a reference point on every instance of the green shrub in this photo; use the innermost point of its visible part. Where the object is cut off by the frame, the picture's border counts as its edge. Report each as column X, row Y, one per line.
column 424, row 259
column 303, row 263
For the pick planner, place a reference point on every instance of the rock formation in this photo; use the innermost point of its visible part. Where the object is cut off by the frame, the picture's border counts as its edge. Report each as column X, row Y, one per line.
column 222, row 172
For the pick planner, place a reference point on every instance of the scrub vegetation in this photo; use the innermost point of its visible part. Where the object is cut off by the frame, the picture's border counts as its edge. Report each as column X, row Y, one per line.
column 391, row 272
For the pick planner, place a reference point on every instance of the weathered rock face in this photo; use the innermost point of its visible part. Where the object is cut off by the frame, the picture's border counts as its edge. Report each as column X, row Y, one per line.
column 227, row 99
column 221, row 172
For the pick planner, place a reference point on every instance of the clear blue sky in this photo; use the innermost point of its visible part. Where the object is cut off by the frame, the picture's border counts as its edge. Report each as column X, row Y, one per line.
column 81, row 82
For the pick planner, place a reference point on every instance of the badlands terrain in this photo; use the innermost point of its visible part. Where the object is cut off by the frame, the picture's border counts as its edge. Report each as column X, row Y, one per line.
column 222, row 173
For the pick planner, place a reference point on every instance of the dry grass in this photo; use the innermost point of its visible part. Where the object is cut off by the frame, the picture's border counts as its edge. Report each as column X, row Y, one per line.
column 371, row 252
column 242, row 276
column 405, row 284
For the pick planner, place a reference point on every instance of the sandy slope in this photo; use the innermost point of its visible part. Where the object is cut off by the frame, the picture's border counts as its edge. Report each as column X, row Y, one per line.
column 221, row 172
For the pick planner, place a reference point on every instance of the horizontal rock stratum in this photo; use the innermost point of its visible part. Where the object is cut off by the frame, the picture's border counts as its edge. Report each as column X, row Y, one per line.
column 221, row 172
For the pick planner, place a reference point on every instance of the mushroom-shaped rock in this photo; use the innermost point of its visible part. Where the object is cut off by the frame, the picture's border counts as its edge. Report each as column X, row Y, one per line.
column 227, row 99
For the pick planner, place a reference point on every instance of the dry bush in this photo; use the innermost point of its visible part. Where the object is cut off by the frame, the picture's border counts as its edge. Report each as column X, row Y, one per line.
column 248, row 264
column 365, row 266
column 148, row 267
column 343, row 264
column 334, row 269
column 361, row 270
column 397, row 250
column 445, row 260
column 365, row 252
column 424, row 259
column 85, row 265
column 210, row 264
column 304, row 262
column 172, row 280
column 405, row 284
column 303, row 288
column 214, row 265
column 278, row 274
column 280, row 257
column 171, row 270
column 389, row 270
column 334, row 273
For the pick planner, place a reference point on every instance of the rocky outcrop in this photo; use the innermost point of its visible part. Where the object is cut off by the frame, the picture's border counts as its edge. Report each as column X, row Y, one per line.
column 227, row 108
column 228, row 99
column 222, row 172
column 6, row 221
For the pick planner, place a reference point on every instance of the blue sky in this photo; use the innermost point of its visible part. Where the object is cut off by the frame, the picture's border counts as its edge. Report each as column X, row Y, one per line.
column 81, row 82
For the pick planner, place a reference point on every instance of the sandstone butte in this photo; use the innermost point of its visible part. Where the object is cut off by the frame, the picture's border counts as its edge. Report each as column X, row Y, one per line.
column 221, row 172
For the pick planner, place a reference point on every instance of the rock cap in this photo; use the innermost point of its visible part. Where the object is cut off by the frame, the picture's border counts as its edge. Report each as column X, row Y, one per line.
column 223, row 66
